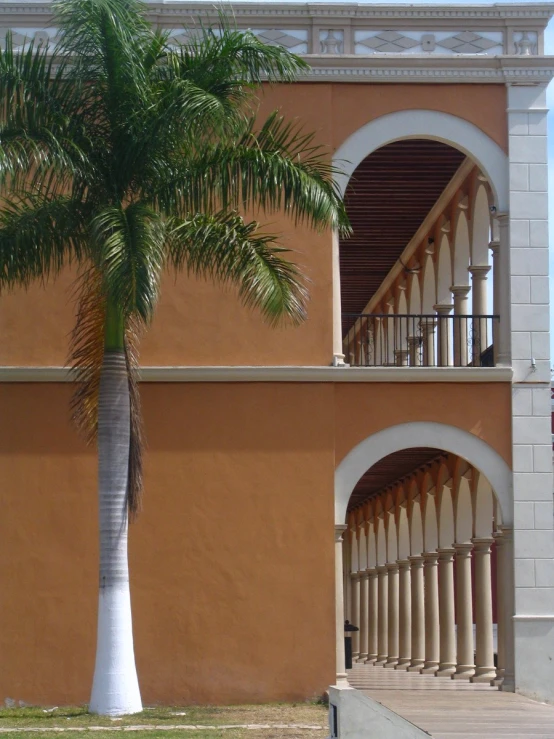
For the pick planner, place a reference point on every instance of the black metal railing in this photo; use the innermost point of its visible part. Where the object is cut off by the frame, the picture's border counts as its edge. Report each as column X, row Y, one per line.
column 433, row 340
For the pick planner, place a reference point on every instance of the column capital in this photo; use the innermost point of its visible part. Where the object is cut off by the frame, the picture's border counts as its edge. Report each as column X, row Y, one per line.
column 494, row 246
column 430, row 558
column 340, row 528
column 443, row 309
column 355, row 575
column 371, row 571
column 463, row 549
column 416, row 560
column 392, row 566
column 364, row 574
column 428, row 325
column 403, row 564
column 503, row 535
column 483, row 544
column 446, row 554
column 479, row 271
column 381, row 569
column 460, row 290
column 503, row 218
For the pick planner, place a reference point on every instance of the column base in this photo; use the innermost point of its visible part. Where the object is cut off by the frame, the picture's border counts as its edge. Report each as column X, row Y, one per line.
column 446, row 670
column 484, row 675
column 508, row 685
column 403, row 663
column 464, row 672
column 391, row 663
column 429, row 668
column 371, row 659
column 381, row 660
column 362, row 658
column 341, row 679
column 416, row 665
column 355, row 656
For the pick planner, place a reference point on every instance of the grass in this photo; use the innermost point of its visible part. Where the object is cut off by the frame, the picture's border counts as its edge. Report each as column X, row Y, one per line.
column 20, row 720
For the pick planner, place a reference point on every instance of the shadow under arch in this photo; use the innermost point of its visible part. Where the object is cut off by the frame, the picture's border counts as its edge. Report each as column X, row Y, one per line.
column 426, row 124
column 423, row 434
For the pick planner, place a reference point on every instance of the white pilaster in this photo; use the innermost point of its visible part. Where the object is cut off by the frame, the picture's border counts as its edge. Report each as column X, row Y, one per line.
column 531, row 406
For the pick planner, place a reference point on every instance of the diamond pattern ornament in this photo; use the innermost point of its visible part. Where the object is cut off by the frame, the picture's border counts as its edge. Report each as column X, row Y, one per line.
column 467, row 42
column 388, row 41
column 275, row 37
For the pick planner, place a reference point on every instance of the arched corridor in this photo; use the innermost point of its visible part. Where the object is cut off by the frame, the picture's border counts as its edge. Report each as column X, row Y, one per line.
column 426, row 558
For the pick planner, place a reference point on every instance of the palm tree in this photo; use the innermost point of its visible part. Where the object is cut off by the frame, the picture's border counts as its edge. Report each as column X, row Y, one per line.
column 127, row 156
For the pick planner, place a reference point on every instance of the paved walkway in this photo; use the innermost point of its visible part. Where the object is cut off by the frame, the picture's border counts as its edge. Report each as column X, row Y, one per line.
column 455, row 709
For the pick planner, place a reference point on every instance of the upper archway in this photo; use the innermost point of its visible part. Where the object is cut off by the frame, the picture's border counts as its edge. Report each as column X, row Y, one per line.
column 426, row 124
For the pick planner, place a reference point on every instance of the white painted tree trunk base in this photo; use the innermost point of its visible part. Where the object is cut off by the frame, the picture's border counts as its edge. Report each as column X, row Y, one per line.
column 115, row 688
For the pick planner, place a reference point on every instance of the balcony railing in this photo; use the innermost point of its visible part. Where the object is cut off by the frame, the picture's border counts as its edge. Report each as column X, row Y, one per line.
column 388, row 340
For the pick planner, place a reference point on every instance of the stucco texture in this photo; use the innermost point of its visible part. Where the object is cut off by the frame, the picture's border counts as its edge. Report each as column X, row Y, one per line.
column 197, row 323
column 232, row 566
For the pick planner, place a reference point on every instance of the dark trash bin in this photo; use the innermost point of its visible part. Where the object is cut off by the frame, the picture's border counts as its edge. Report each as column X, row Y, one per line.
column 348, row 629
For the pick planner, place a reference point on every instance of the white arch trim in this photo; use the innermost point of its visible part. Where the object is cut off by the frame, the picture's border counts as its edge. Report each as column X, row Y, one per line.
column 426, row 124
column 418, row 434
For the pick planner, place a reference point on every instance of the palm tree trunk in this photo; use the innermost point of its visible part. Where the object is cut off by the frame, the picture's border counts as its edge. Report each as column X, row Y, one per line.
column 115, row 689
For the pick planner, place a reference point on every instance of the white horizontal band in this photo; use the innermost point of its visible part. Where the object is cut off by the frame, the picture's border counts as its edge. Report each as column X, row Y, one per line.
column 541, row 617
column 279, row 374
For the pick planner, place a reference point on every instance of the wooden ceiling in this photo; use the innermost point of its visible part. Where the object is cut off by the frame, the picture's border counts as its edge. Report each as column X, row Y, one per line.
column 388, row 198
column 391, row 469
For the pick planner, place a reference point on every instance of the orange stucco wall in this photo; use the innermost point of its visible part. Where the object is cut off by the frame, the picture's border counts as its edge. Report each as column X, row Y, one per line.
column 197, row 323
column 232, row 558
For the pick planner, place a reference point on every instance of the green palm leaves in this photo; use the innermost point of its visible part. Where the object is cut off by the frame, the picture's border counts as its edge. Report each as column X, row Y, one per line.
column 128, row 156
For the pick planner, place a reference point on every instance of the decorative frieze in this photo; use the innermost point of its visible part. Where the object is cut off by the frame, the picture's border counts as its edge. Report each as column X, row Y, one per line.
column 428, row 42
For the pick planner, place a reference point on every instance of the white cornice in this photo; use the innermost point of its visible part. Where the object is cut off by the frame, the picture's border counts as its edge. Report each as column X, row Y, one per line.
column 280, row 374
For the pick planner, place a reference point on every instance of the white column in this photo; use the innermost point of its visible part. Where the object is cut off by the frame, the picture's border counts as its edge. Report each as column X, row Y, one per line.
column 338, row 354
column 464, row 633
column 460, row 293
column 432, row 633
column 355, row 577
column 414, row 351
column 418, row 614
column 485, row 670
column 447, row 664
column 428, row 326
column 445, row 338
column 494, row 246
column 364, row 603
column 501, row 278
column 383, row 616
column 339, row 608
column 393, row 620
column 480, row 340
column 531, row 433
column 372, row 616
column 405, row 616
column 505, row 608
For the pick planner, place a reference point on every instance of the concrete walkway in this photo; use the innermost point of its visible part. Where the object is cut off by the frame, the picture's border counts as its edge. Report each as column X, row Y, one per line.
column 455, row 709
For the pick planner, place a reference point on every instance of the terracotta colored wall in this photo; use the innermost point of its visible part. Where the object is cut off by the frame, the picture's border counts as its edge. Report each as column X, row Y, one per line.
column 199, row 324
column 232, row 558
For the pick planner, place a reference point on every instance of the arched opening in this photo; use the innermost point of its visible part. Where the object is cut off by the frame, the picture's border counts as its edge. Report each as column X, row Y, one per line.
column 434, row 513
column 401, row 190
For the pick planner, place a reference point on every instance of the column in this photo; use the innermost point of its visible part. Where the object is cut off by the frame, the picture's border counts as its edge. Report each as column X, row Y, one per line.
column 339, row 608
column 364, row 602
column 428, row 326
column 494, row 246
column 479, row 340
column 401, row 357
column 382, row 616
column 338, row 353
column 418, row 614
column 485, row 670
column 464, row 634
column 445, row 342
column 505, row 608
column 405, row 616
column 393, row 621
column 372, row 617
column 414, row 351
column 460, row 293
column 447, row 624
column 432, row 633
column 501, row 283
column 355, row 577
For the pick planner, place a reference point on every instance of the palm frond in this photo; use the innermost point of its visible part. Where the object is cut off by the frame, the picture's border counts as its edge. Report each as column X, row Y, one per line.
column 278, row 167
column 39, row 235
column 128, row 246
column 226, row 249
